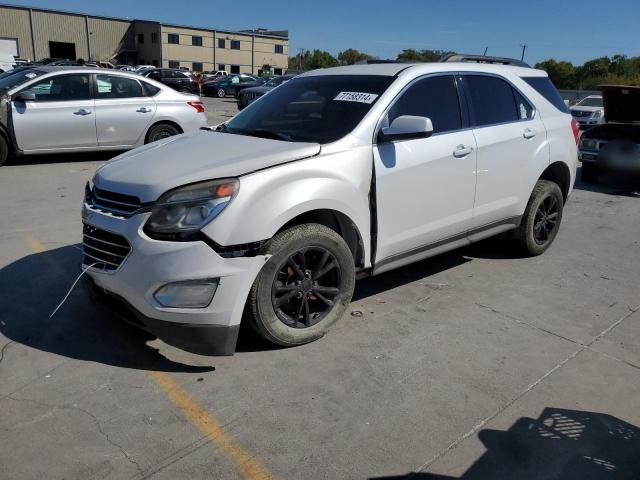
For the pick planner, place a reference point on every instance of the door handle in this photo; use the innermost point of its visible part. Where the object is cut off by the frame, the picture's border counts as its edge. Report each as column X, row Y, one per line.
column 462, row 151
column 82, row 111
column 529, row 133
column 143, row 110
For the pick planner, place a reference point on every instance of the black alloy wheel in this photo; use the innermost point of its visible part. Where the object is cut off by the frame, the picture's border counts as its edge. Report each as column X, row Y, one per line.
column 305, row 287
column 546, row 220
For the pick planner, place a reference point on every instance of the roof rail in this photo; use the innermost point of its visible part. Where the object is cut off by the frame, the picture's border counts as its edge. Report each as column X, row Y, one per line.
column 458, row 57
column 376, row 61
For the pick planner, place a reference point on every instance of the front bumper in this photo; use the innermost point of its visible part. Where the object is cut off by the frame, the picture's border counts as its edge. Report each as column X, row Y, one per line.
column 619, row 163
column 151, row 264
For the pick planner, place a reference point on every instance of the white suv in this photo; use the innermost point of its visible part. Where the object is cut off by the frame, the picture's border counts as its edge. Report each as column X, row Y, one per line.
column 337, row 174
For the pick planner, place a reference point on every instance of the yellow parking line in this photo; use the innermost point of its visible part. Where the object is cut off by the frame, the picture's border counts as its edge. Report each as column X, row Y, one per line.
column 247, row 464
column 244, row 462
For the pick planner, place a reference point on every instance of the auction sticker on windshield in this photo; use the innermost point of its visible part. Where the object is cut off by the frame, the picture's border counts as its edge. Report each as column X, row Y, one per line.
column 356, row 97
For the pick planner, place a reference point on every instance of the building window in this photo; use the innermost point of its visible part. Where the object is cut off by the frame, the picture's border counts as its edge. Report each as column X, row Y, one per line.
column 174, row 38
column 196, row 41
column 221, row 66
column 141, row 38
column 235, row 68
column 197, row 67
column 174, row 63
column 221, row 43
column 235, row 44
column 277, row 71
column 142, row 62
column 279, row 48
column 154, row 37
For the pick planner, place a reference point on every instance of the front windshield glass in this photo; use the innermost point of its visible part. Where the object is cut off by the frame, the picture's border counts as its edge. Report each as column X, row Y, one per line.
column 274, row 82
column 13, row 79
column 591, row 102
column 318, row 109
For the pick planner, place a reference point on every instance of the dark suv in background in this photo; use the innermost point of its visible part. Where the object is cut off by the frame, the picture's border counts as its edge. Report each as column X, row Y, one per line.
column 177, row 79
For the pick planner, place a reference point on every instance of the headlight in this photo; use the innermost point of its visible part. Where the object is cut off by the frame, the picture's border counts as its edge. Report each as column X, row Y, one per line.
column 588, row 144
column 180, row 213
column 597, row 114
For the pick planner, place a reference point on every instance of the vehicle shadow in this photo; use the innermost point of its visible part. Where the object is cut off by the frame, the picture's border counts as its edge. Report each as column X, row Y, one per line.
column 81, row 329
column 611, row 184
column 64, row 157
column 560, row 444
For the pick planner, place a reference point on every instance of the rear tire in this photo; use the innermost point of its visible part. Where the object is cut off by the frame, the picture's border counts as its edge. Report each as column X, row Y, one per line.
column 160, row 131
column 541, row 220
column 304, row 288
column 221, row 93
column 4, row 150
column 589, row 173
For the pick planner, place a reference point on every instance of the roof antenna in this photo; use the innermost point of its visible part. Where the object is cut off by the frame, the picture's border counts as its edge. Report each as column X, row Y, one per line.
column 485, row 51
column 524, row 47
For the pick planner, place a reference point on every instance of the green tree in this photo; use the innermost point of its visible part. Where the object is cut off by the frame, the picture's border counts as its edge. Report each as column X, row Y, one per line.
column 351, row 56
column 411, row 55
column 320, row 59
column 562, row 74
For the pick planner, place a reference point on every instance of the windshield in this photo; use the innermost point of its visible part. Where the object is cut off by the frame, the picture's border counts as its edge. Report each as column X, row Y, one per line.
column 318, row 109
column 13, row 79
column 591, row 102
column 274, row 82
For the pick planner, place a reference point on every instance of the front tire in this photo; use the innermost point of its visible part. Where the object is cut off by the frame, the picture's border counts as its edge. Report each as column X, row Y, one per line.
column 541, row 220
column 589, row 173
column 221, row 93
column 304, row 288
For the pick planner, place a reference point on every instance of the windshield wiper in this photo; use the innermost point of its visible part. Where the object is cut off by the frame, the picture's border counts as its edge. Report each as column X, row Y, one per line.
column 259, row 132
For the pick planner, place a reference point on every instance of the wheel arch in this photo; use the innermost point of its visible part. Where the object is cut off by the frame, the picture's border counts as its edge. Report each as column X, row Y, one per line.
column 338, row 222
column 559, row 173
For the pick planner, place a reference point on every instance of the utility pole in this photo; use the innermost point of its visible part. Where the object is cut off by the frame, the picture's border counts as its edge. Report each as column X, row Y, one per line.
column 524, row 47
column 300, row 59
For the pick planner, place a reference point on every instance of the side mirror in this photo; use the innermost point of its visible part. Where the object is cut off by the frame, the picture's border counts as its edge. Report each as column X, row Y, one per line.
column 25, row 96
column 406, row 127
column 566, row 102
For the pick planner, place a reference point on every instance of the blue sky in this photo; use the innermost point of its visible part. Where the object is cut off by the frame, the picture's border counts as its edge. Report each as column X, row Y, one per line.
column 563, row 29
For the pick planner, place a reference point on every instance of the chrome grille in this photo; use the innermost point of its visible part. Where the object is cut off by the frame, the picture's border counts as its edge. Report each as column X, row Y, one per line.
column 580, row 113
column 107, row 249
column 112, row 202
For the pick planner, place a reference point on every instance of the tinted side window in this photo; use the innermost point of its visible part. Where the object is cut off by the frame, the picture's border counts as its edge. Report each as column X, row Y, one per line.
column 62, row 88
column 548, row 90
column 111, row 86
column 150, row 90
column 491, row 100
column 525, row 110
column 436, row 98
column 155, row 74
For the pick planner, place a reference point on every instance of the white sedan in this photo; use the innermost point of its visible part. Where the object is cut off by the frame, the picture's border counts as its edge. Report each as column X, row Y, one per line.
column 60, row 109
column 589, row 111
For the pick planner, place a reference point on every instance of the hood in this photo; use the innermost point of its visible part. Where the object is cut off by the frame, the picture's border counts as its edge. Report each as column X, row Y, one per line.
column 579, row 108
column 149, row 171
column 621, row 103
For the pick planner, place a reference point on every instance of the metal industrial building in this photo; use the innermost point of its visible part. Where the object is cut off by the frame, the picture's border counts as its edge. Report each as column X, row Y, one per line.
column 35, row 33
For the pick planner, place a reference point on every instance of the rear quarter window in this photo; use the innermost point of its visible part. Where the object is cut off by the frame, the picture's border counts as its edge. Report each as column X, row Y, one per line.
column 547, row 89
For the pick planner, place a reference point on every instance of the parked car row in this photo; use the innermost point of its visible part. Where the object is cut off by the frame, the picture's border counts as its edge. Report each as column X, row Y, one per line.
column 249, row 95
column 47, row 109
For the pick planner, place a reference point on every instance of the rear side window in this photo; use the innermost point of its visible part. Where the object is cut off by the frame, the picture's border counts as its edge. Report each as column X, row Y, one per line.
column 150, row 90
column 111, row 86
column 525, row 110
column 491, row 100
column 548, row 90
column 434, row 97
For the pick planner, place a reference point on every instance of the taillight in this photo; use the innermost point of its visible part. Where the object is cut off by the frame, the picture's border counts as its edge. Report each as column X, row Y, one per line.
column 197, row 105
column 575, row 127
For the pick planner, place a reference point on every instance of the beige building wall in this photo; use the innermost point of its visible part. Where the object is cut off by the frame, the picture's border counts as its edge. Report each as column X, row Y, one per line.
column 185, row 52
column 110, row 37
column 14, row 23
column 228, row 56
column 265, row 54
column 58, row 27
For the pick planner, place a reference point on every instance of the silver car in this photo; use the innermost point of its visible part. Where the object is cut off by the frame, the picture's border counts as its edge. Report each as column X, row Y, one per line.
column 58, row 109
